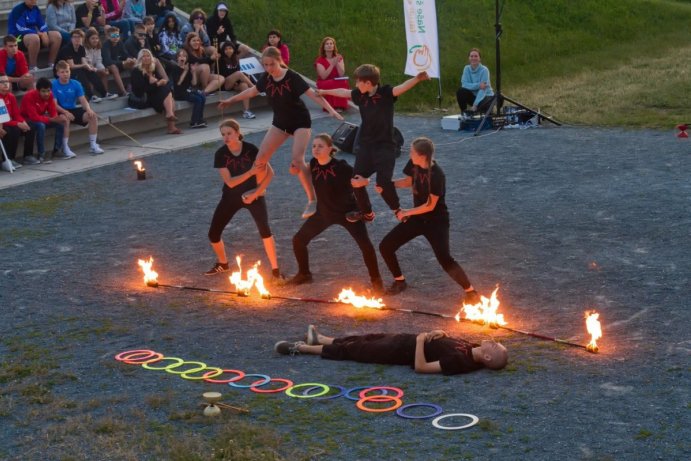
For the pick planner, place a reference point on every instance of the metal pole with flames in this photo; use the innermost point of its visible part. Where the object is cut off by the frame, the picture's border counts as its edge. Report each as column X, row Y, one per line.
column 484, row 312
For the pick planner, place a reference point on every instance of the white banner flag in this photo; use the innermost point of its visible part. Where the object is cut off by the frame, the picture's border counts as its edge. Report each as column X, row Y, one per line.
column 421, row 36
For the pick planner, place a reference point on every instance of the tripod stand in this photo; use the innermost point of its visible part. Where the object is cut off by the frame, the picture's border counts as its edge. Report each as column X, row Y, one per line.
column 499, row 97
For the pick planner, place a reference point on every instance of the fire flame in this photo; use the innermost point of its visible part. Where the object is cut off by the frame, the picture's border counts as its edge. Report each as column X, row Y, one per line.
column 348, row 296
column 138, row 164
column 594, row 329
column 484, row 312
column 254, row 279
column 150, row 275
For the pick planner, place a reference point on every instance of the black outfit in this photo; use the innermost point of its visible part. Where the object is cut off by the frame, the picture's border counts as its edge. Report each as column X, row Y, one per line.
column 375, row 151
column 82, row 11
column 466, row 98
column 454, row 355
column 433, row 225
column 334, row 199
column 226, row 67
column 153, row 9
column 88, row 79
column 231, row 200
column 11, row 139
column 155, row 95
column 133, row 46
column 214, row 22
column 290, row 112
column 114, row 54
column 184, row 91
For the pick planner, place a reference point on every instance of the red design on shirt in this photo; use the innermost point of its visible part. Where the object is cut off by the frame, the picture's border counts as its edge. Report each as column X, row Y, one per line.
column 272, row 87
column 323, row 172
column 374, row 99
column 234, row 163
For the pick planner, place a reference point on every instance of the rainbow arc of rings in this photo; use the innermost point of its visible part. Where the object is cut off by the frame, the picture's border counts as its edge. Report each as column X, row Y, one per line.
column 371, row 399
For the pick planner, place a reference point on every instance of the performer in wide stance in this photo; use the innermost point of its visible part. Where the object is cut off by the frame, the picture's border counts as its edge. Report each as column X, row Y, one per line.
column 244, row 186
column 427, row 352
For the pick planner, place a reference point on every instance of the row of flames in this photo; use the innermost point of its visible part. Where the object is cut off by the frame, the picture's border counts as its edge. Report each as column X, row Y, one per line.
column 484, row 312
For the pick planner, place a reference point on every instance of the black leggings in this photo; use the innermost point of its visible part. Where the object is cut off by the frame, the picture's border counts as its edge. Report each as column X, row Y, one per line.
column 437, row 234
column 466, row 98
column 317, row 224
column 380, row 159
column 226, row 209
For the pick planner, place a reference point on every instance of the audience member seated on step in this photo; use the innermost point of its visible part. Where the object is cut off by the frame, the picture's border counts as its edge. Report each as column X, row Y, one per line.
column 169, row 38
column 185, row 88
column 234, row 78
column 476, row 89
column 201, row 61
column 90, row 14
column 74, row 54
column 331, row 72
column 221, row 30
column 152, row 35
column 137, row 42
column 134, row 11
column 39, row 109
column 197, row 24
column 150, row 82
column 94, row 57
column 159, row 9
column 274, row 38
column 26, row 23
column 116, row 59
column 112, row 10
column 15, row 127
column 69, row 93
column 61, row 17
column 13, row 64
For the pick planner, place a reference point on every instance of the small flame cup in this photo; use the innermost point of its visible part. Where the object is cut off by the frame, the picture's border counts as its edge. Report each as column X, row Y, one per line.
column 141, row 175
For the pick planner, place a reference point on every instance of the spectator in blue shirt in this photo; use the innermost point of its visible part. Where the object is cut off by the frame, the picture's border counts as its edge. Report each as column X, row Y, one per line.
column 476, row 89
column 26, row 23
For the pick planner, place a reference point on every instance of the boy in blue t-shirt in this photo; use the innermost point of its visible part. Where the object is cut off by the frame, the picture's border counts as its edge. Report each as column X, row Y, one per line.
column 68, row 93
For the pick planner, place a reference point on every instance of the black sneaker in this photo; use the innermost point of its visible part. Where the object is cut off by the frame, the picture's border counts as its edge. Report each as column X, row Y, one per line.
column 355, row 216
column 471, row 297
column 288, row 348
column 217, row 269
column 396, row 287
column 312, row 336
column 300, row 278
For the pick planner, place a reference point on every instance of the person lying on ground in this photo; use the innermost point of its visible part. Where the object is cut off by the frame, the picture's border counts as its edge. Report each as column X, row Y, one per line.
column 426, row 352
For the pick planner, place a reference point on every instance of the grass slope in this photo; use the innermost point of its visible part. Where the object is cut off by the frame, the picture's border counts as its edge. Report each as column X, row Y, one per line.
column 604, row 62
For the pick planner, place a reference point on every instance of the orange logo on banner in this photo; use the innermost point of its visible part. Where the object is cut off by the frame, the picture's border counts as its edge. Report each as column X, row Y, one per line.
column 422, row 57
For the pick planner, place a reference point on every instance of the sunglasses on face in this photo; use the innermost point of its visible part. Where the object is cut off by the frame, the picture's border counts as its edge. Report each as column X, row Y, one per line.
column 198, row 17
column 114, row 35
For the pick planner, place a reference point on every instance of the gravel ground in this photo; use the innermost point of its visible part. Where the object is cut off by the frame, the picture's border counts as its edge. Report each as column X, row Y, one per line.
column 563, row 220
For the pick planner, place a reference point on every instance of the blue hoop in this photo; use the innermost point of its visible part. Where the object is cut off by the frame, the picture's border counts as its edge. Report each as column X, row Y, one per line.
column 359, row 388
column 266, row 379
column 437, row 410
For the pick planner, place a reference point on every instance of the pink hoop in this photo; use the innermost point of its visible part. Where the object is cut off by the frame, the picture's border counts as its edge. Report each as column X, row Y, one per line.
column 254, row 386
column 208, row 379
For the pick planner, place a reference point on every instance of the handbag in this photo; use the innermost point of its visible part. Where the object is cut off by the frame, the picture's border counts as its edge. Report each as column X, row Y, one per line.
column 137, row 102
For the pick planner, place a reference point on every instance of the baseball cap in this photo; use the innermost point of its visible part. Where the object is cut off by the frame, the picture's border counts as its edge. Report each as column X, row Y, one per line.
column 222, row 6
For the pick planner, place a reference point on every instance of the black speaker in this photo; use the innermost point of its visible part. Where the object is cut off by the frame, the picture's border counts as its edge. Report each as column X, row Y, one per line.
column 344, row 136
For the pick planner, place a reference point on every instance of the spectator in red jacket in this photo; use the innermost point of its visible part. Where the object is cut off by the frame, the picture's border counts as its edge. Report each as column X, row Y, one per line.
column 15, row 127
column 13, row 64
column 39, row 109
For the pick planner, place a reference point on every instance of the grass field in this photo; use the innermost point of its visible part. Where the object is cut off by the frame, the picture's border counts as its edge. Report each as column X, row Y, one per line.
column 609, row 62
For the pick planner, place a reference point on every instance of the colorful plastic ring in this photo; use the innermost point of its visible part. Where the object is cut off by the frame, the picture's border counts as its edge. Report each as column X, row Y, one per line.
column 359, row 388
column 178, row 360
column 155, row 358
column 215, row 371
column 127, row 354
column 200, row 366
column 401, row 411
column 363, row 393
column 266, row 379
column 255, row 387
column 290, row 391
column 379, row 399
column 474, row 421
column 240, row 375
column 341, row 390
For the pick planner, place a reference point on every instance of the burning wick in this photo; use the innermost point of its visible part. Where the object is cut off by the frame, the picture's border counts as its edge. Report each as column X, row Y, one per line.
column 150, row 276
column 348, row 296
column 594, row 328
column 254, row 279
column 484, row 312
column 141, row 171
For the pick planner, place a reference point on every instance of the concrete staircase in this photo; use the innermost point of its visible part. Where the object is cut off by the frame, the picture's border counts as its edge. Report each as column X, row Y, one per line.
column 114, row 115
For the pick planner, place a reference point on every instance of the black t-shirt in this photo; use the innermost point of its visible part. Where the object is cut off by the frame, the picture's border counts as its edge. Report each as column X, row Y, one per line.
column 426, row 181
column 68, row 52
column 332, row 186
column 454, row 355
column 376, row 112
column 180, row 89
column 237, row 165
column 82, row 11
column 284, row 98
column 227, row 69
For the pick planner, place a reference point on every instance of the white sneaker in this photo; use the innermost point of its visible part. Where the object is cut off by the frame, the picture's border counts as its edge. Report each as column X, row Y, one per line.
column 95, row 149
column 310, row 209
column 95, row 99
column 68, row 154
column 248, row 114
column 111, row 95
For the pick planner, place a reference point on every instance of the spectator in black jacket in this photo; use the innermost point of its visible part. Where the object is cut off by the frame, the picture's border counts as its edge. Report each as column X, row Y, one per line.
column 116, row 59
